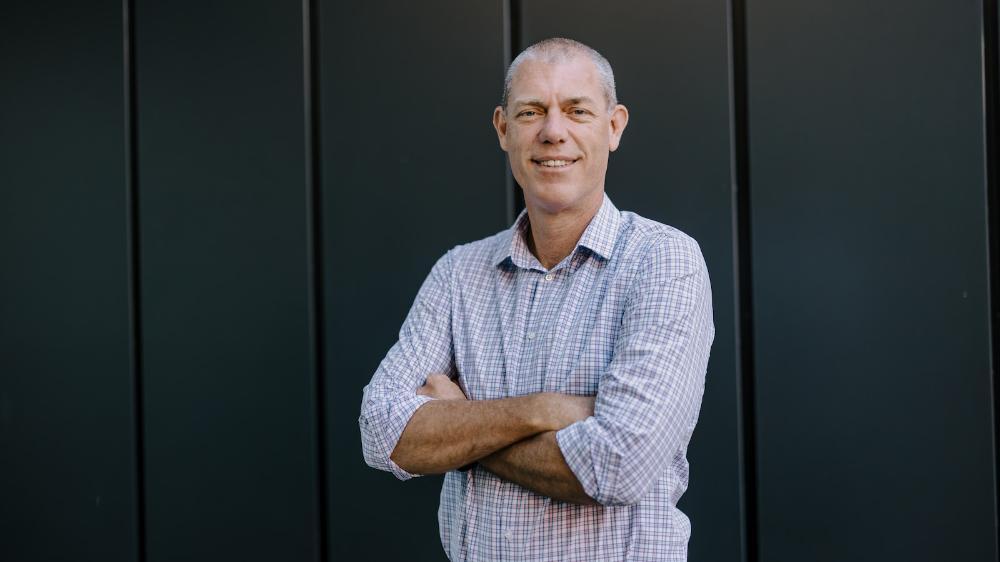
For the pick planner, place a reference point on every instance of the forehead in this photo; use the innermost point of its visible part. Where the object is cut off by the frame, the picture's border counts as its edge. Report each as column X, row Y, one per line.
column 574, row 77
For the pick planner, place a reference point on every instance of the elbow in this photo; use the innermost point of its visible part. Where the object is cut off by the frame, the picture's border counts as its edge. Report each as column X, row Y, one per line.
column 374, row 458
column 630, row 494
column 372, row 423
column 613, row 467
column 366, row 424
column 380, row 457
column 378, row 442
column 403, row 461
column 374, row 454
column 631, row 477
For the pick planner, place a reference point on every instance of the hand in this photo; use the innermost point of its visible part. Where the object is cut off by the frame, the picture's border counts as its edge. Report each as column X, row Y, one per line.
column 441, row 387
column 562, row 410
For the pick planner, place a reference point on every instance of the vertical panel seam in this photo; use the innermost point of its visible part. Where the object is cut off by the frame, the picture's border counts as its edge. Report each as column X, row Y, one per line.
column 743, row 286
column 991, row 91
column 507, row 22
column 514, row 45
column 314, row 259
column 133, row 249
column 511, row 18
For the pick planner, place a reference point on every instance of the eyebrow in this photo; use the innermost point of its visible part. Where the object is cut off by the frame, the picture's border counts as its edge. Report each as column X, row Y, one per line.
column 539, row 103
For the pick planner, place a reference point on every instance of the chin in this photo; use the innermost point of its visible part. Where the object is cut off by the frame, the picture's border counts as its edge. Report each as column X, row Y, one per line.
column 553, row 199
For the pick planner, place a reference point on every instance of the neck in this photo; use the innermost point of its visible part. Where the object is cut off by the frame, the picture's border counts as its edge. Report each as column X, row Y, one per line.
column 552, row 236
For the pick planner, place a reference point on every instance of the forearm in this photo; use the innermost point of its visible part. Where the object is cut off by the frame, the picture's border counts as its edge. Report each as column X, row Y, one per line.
column 443, row 435
column 537, row 464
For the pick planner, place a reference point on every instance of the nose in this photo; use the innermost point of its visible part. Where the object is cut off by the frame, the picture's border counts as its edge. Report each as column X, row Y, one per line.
column 553, row 128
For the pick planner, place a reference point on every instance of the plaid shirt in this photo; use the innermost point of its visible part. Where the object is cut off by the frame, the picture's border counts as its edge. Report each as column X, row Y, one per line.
column 626, row 316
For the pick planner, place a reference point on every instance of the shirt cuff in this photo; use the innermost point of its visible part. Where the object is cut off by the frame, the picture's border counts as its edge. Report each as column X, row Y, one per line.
column 400, row 414
column 582, row 456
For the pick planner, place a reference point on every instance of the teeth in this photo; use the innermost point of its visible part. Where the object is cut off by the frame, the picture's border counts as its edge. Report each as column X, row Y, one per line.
column 555, row 163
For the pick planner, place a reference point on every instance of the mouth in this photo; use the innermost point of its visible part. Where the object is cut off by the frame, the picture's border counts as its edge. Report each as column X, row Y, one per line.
column 553, row 164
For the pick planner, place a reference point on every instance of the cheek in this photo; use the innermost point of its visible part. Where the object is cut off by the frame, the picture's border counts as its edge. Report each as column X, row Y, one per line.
column 521, row 136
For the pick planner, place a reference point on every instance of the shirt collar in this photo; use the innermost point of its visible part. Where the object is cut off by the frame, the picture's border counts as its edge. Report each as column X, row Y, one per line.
column 599, row 237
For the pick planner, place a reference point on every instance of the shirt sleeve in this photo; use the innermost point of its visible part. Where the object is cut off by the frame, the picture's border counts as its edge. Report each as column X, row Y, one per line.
column 424, row 347
column 649, row 398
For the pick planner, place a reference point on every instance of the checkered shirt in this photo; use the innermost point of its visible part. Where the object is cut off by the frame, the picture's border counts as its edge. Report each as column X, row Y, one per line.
column 627, row 315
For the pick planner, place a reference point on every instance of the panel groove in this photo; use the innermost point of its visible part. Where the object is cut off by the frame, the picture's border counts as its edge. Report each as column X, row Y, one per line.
column 513, row 44
column 314, row 222
column 991, row 91
column 743, row 288
column 133, row 260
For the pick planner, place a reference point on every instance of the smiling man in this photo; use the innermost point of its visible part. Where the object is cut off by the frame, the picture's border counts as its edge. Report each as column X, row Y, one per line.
column 554, row 370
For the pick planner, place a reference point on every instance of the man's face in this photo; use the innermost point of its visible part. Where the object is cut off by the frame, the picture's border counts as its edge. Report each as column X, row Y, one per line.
column 557, row 133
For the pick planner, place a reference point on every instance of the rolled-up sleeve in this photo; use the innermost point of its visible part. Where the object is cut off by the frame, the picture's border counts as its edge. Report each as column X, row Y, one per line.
column 424, row 347
column 649, row 398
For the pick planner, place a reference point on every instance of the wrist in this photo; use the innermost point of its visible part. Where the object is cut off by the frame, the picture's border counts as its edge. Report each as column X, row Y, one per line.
column 541, row 408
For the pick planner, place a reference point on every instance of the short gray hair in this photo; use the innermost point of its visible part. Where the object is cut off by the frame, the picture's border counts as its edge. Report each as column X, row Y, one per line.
column 560, row 49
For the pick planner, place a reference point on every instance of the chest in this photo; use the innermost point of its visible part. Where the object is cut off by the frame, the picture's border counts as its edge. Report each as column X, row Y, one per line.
column 519, row 331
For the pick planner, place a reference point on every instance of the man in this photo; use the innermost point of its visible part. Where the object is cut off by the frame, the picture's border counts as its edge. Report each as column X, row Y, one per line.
column 554, row 370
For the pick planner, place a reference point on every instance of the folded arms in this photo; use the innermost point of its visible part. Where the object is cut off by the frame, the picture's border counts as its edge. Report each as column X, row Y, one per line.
column 609, row 449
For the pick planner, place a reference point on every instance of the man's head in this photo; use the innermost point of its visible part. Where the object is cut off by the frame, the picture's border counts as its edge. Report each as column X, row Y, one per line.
column 558, row 121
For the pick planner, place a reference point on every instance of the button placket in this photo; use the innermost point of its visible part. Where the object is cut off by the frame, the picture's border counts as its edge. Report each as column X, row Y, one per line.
column 533, row 333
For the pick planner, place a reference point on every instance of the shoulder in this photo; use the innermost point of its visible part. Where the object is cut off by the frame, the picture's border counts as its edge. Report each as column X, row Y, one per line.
column 478, row 254
column 653, row 245
column 469, row 260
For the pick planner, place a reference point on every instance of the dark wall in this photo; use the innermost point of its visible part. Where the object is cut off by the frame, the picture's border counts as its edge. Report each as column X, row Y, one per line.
column 299, row 168
column 229, row 418
column 67, row 445
column 870, row 281
column 410, row 168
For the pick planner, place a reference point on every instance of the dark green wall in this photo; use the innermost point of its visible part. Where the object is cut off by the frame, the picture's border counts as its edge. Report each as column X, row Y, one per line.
column 67, row 444
column 870, row 281
column 230, row 419
column 287, row 209
column 410, row 168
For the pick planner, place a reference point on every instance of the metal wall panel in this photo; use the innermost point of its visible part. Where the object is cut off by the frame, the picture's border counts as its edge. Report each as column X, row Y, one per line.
column 67, row 474
column 673, row 166
column 870, row 274
column 873, row 397
column 230, row 422
column 411, row 167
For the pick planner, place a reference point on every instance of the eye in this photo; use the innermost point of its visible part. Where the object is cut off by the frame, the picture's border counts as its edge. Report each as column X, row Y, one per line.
column 579, row 111
column 526, row 113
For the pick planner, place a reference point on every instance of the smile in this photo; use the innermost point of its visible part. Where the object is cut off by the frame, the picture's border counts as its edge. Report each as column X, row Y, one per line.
column 554, row 163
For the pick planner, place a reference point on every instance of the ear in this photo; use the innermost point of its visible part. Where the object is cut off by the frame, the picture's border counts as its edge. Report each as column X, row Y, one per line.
column 619, row 119
column 500, row 124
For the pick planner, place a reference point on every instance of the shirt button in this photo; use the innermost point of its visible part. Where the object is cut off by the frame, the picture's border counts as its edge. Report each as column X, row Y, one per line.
column 549, row 277
column 508, row 535
column 531, row 335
